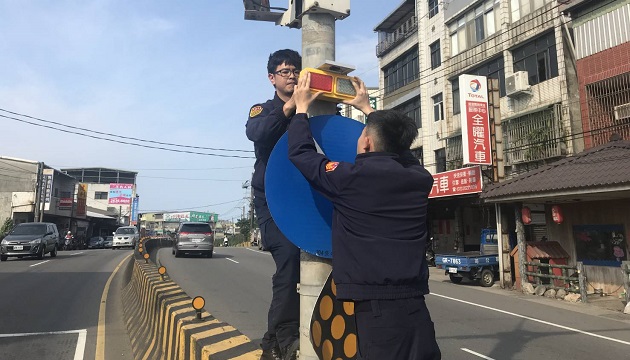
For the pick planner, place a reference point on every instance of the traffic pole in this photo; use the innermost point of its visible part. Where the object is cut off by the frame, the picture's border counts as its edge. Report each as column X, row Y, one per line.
column 318, row 45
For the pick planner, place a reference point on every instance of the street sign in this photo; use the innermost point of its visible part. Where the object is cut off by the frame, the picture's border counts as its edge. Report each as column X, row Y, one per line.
column 302, row 214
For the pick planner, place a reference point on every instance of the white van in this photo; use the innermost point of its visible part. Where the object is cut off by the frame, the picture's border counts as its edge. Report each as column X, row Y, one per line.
column 125, row 236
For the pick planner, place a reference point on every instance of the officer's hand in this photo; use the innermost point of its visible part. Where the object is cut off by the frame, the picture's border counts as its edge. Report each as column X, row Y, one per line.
column 362, row 100
column 289, row 107
column 302, row 94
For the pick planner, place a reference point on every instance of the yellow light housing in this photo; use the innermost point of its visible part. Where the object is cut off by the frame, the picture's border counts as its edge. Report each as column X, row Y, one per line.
column 336, row 87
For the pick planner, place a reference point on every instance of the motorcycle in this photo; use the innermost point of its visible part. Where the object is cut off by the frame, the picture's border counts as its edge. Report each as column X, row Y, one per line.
column 430, row 253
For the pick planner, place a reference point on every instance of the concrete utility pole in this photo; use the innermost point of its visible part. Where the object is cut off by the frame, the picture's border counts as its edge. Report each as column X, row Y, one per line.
column 318, row 45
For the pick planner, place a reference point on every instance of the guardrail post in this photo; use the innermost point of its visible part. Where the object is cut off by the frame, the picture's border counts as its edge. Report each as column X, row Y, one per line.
column 625, row 268
column 582, row 281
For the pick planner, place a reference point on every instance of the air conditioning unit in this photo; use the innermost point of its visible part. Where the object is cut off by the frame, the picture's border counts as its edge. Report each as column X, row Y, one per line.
column 517, row 83
column 622, row 112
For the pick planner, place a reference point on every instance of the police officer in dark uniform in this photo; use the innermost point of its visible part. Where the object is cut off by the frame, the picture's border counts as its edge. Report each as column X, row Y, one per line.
column 378, row 228
column 266, row 124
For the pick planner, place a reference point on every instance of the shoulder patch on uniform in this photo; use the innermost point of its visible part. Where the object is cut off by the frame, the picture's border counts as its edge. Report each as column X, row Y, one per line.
column 255, row 111
column 331, row 166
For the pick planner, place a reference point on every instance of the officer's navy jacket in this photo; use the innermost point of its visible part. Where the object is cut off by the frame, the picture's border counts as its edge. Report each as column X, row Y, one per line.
column 265, row 125
column 379, row 218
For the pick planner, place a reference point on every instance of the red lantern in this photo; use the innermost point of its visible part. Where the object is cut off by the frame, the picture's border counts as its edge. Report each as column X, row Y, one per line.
column 556, row 214
column 526, row 215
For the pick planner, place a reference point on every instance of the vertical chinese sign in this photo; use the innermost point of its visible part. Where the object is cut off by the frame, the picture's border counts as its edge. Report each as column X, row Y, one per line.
column 120, row 194
column 473, row 101
column 81, row 200
column 46, row 190
column 134, row 210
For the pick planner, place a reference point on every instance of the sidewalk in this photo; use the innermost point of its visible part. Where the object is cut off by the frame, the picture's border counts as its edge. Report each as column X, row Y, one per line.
column 608, row 303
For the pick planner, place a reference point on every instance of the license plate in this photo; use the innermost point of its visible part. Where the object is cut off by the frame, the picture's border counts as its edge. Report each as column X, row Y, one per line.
column 197, row 240
column 18, row 247
column 452, row 270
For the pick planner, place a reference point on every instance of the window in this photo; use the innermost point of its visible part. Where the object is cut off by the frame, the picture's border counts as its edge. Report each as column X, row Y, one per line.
column 433, row 8
column 474, row 26
column 411, row 108
column 100, row 195
column 436, row 59
column 455, row 88
column 418, row 154
column 402, row 71
column 538, row 58
column 438, row 107
column 520, row 8
column 440, row 160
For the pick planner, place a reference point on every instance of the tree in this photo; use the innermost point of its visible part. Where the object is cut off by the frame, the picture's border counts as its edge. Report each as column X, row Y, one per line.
column 6, row 227
column 245, row 228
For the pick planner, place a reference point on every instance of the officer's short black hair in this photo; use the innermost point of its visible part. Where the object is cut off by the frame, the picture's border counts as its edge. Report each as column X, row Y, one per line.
column 393, row 130
column 286, row 56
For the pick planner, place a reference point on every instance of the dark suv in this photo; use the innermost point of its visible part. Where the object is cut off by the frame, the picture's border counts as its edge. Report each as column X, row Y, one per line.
column 194, row 238
column 30, row 239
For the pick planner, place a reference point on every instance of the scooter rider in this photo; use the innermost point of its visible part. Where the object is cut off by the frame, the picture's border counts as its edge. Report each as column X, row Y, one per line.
column 68, row 240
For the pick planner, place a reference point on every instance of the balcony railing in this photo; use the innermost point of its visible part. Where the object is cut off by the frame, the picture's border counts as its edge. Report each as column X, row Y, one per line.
column 534, row 137
column 394, row 38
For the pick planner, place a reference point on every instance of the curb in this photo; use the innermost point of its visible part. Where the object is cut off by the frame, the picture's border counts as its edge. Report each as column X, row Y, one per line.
column 163, row 325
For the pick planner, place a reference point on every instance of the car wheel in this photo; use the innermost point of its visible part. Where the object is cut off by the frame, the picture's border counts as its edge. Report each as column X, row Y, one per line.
column 173, row 251
column 177, row 254
column 41, row 254
column 487, row 278
column 209, row 255
column 455, row 279
column 53, row 253
column 3, row 258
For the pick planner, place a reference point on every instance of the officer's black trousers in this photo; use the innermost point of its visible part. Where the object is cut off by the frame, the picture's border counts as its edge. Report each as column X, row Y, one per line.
column 395, row 329
column 284, row 313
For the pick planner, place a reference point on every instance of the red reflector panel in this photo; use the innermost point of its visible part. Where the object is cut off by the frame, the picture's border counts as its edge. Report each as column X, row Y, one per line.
column 208, row 234
column 184, row 233
column 321, row 82
column 344, row 86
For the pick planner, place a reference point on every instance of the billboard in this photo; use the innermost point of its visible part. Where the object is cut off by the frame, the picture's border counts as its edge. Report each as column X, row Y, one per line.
column 473, row 102
column 457, row 182
column 180, row 216
column 134, row 210
column 81, row 200
column 120, row 194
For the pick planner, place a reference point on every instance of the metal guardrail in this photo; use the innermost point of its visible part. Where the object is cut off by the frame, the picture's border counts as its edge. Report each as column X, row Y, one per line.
column 571, row 283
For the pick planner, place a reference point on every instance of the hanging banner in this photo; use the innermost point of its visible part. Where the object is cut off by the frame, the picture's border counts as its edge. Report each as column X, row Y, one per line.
column 457, row 182
column 134, row 210
column 473, row 100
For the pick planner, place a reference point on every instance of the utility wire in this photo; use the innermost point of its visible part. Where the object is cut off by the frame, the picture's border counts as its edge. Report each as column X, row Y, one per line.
column 123, row 137
column 126, row 142
column 194, row 207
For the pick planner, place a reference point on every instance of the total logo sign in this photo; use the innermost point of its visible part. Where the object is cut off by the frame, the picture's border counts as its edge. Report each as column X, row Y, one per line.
column 475, row 85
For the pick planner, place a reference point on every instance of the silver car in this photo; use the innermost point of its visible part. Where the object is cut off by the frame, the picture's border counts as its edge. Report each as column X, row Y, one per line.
column 194, row 238
column 125, row 236
column 30, row 239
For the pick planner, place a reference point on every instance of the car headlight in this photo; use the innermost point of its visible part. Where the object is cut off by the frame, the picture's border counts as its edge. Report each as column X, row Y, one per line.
column 36, row 242
column 3, row 242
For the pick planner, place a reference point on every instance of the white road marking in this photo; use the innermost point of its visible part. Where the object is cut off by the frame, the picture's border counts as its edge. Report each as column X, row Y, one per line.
column 234, row 261
column 535, row 320
column 258, row 251
column 76, row 253
column 39, row 263
column 477, row 354
column 78, row 352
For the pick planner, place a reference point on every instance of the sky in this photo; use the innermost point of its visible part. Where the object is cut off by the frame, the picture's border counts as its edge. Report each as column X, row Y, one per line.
column 180, row 72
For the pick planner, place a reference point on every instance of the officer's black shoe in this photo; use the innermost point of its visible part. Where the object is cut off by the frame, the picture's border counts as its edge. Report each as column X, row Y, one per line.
column 272, row 354
column 290, row 352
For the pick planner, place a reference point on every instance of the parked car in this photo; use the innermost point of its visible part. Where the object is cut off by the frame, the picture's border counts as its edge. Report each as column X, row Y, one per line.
column 109, row 240
column 30, row 239
column 125, row 236
column 96, row 242
column 193, row 238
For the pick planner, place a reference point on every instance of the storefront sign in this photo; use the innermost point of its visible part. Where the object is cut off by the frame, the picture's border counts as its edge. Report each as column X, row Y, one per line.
column 181, row 216
column 65, row 203
column 134, row 210
column 120, row 194
column 81, row 200
column 457, row 182
column 475, row 125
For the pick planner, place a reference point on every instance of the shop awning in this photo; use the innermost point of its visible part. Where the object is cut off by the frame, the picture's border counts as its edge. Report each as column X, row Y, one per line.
column 93, row 214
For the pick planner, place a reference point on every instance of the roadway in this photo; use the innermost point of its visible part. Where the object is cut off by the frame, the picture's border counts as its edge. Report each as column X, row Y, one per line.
column 471, row 322
column 51, row 307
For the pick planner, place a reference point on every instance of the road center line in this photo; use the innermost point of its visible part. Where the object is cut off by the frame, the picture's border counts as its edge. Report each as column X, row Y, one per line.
column 234, row 261
column 534, row 319
column 76, row 253
column 477, row 354
column 39, row 263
